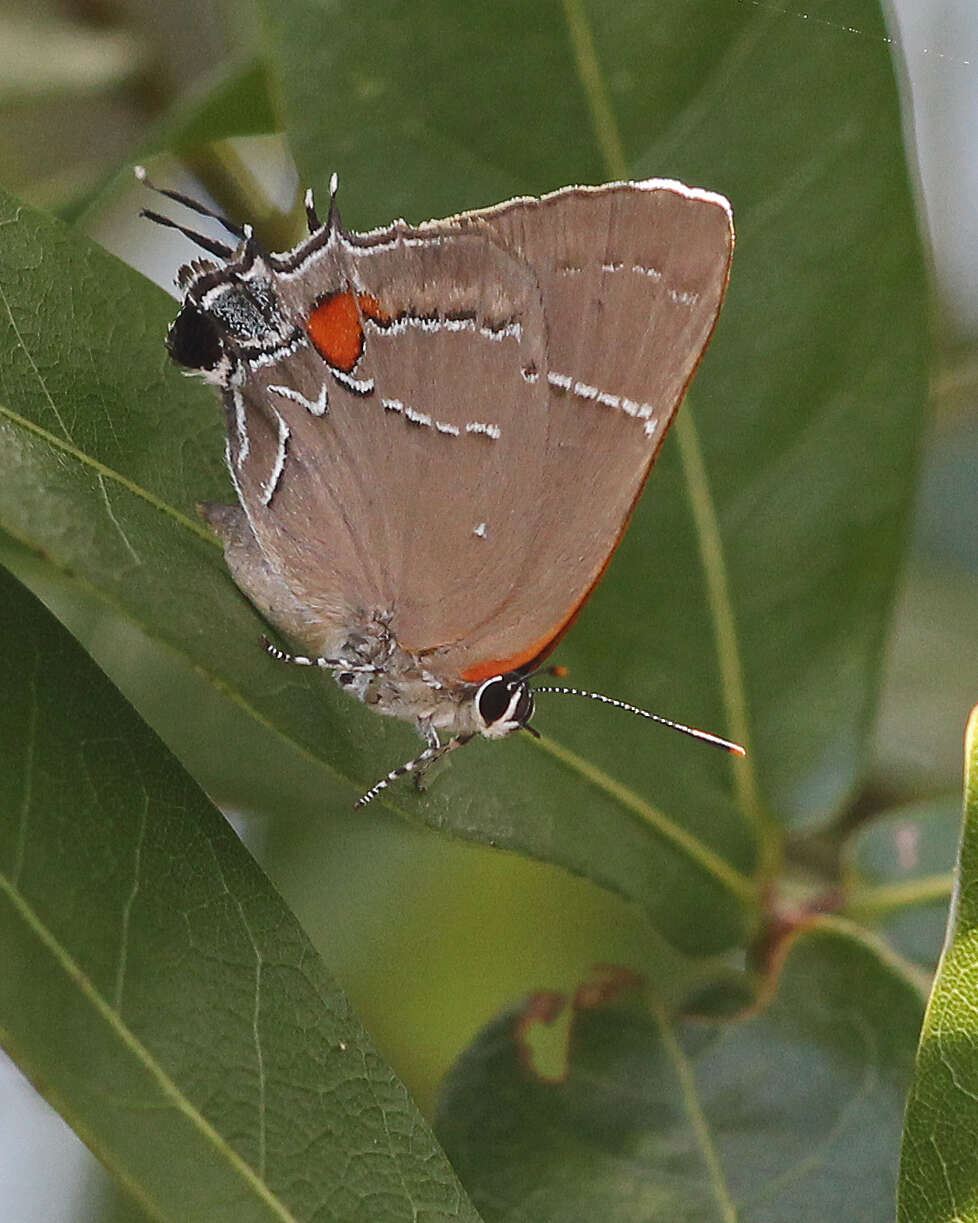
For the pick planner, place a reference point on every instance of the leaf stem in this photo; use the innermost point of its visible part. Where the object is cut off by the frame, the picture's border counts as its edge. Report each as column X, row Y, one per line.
column 875, row 902
column 713, row 562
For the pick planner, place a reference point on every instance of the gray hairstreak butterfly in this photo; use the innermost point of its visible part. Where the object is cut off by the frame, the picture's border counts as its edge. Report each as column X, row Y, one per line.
column 438, row 433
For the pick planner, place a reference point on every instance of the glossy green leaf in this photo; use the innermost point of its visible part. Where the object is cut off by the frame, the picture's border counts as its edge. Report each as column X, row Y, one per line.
column 797, row 444
column 157, row 989
column 939, row 1170
column 790, row 1114
column 898, row 875
column 104, row 450
column 755, row 584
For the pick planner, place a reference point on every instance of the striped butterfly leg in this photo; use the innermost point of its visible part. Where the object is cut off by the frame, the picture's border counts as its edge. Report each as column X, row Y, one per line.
column 327, row 664
column 418, row 766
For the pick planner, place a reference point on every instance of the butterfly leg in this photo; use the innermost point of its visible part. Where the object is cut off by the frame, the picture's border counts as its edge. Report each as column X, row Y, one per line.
column 420, row 763
column 327, row 664
column 434, row 743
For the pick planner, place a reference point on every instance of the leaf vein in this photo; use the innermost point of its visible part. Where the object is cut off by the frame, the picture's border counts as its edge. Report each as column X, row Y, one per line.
column 20, row 847
column 120, row 973
column 89, row 461
column 33, row 364
column 694, row 1110
column 168, row 1088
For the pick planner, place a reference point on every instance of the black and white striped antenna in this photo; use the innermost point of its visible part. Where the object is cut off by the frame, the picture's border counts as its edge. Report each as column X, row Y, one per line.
column 704, row 735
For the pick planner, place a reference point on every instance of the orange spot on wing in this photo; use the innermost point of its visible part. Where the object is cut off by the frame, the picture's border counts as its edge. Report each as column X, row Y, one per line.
column 336, row 327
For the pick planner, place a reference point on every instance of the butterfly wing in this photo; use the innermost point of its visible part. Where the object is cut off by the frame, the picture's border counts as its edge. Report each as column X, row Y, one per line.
column 368, row 469
column 632, row 276
column 461, row 445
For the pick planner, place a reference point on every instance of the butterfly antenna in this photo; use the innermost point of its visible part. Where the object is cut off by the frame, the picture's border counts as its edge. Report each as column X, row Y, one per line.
column 333, row 216
column 188, row 202
column 726, row 744
column 220, row 249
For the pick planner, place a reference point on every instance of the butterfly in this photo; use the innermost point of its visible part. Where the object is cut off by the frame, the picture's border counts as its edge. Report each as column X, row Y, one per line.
column 438, row 433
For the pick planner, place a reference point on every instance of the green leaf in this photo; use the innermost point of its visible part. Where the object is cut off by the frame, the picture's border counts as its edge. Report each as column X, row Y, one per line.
column 235, row 101
column 792, row 1112
column 104, row 450
column 939, row 1171
column 158, row 991
column 898, row 875
column 755, row 584
column 799, row 442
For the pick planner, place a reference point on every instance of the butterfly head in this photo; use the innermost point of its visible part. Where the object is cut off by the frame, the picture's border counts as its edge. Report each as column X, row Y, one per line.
column 503, row 704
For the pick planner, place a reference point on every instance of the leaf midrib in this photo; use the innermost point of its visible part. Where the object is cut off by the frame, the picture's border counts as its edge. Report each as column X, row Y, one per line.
column 734, row 881
column 101, row 469
column 712, row 558
column 75, row 974
column 694, row 1111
